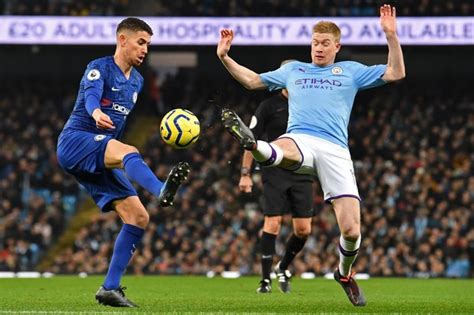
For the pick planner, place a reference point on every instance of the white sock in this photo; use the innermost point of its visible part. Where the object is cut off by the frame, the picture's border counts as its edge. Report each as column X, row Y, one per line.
column 346, row 259
column 267, row 154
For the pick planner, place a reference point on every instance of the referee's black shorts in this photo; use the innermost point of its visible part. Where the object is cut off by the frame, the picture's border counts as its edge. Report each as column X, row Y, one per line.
column 287, row 192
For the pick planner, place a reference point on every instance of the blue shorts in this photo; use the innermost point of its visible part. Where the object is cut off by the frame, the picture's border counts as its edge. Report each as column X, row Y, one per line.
column 81, row 154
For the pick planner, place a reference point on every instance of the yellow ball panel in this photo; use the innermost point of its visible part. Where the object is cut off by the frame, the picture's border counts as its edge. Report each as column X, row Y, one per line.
column 180, row 128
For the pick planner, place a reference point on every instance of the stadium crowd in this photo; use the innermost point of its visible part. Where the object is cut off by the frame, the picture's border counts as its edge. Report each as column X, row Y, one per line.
column 36, row 197
column 411, row 150
column 65, row 7
column 234, row 7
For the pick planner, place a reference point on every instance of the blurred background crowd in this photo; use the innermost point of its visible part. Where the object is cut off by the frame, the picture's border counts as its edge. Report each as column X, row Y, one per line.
column 413, row 161
column 36, row 198
column 234, row 7
column 411, row 144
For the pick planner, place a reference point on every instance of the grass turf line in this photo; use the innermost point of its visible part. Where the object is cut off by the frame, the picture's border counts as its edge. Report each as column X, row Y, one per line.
column 71, row 294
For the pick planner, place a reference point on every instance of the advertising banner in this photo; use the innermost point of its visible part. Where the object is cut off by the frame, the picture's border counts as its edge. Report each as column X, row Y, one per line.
column 360, row 31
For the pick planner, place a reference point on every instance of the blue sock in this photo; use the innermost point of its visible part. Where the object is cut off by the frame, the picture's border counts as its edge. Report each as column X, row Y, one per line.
column 139, row 172
column 125, row 245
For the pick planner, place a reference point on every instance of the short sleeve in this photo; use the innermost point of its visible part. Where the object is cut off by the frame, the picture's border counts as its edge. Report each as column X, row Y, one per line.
column 367, row 77
column 275, row 80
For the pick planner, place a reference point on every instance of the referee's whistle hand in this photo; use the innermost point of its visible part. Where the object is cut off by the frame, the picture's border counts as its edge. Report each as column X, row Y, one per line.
column 245, row 184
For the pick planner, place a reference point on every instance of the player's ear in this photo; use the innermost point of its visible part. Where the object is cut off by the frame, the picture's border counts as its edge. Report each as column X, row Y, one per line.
column 121, row 39
column 338, row 47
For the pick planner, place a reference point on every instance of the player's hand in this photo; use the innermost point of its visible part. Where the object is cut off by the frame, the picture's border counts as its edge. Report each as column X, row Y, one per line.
column 245, row 184
column 388, row 15
column 223, row 47
column 102, row 120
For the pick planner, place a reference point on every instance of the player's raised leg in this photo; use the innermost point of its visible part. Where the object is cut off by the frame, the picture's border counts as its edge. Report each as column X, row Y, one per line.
column 282, row 152
column 236, row 127
column 120, row 155
column 347, row 210
column 177, row 175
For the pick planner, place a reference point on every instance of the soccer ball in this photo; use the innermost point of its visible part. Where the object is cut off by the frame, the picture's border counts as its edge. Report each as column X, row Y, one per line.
column 180, row 128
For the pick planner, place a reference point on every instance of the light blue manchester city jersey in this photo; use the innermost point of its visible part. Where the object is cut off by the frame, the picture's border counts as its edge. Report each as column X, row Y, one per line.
column 321, row 98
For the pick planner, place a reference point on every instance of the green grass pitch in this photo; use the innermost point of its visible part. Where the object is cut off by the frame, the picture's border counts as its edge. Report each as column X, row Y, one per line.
column 187, row 294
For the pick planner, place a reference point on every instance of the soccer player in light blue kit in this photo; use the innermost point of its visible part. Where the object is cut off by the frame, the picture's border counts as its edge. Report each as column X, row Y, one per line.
column 321, row 96
column 90, row 150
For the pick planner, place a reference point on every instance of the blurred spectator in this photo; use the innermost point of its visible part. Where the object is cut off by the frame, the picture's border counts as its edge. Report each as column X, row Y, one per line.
column 65, row 7
column 36, row 198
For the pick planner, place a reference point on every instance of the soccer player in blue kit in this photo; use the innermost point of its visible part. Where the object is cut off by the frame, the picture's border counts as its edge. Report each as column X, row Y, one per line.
column 89, row 148
column 321, row 96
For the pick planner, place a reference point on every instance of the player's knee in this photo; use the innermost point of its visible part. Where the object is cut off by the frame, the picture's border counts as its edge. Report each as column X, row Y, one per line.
column 273, row 229
column 291, row 155
column 133, row 212
column 142, row 218
column 350, row 232
column 272, row 225
column 302, row 231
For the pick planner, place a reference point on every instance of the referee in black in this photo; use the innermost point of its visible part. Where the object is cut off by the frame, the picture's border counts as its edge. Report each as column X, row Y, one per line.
column 283, row 190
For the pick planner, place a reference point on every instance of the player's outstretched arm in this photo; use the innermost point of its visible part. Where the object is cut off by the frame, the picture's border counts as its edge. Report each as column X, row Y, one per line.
column 248, row 78
column 395, row 64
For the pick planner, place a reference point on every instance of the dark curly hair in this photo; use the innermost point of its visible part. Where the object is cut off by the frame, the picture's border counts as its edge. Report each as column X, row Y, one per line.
column 134, row 24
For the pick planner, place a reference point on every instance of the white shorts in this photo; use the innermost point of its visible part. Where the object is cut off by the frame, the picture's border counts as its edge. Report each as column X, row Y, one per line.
column 331, row 163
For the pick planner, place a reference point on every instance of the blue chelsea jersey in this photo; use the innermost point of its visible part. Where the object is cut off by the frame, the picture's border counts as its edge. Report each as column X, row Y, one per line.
column 118, row 96
column 321, row 98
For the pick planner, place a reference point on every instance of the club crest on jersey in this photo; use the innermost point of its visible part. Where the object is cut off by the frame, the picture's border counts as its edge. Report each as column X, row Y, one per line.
column 93, row 75
column 134, row 97
column 99, row 137
column 336, row 70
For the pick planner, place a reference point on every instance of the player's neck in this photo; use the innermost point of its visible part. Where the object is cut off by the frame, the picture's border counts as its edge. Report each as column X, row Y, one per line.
column 123, row 65
column 323, row 65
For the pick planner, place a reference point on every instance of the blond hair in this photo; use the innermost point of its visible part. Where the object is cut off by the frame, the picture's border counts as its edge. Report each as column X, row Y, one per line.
column 328, row 27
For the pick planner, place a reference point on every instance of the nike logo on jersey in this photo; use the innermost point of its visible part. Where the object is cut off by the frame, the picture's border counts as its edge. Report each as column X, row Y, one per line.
column 115, row 89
